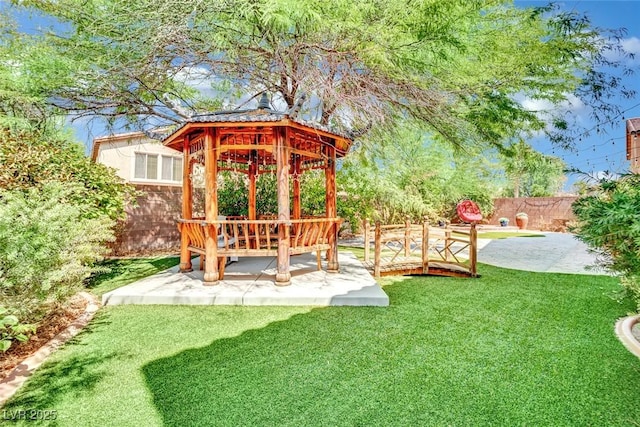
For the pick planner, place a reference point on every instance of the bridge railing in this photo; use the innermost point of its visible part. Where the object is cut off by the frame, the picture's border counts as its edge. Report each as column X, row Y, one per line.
column 416, row 247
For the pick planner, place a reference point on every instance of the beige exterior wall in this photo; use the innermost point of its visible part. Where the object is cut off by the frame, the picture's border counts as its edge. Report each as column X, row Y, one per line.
column 119, row 152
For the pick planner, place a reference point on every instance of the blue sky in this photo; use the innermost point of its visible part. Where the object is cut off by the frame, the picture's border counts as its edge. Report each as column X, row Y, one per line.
column 605, row 151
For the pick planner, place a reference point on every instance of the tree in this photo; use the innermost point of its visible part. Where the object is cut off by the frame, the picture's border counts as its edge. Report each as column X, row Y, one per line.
column 531, row 173
column 414, row 175
column 459, row 66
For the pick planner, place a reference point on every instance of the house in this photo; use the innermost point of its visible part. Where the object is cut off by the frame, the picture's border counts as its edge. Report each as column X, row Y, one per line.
column 139, row 159
column 633, row 144
column 156, row 171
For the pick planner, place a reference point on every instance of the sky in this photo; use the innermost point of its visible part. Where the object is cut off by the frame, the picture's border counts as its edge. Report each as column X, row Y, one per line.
column 594, row 154
column 606, row 151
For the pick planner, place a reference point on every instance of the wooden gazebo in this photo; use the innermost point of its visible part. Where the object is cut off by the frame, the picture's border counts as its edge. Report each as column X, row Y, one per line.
column 256, row 142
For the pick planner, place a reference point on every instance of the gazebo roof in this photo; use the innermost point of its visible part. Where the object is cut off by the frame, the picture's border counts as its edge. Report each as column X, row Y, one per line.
column 260, row 117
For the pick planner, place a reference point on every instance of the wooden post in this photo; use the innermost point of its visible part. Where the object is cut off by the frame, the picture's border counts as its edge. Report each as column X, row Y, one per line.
column 447, row 245
column 211, row 144
column 297, row 206
column 473, row 250
column 367, row 239
column 425, row 247
column 377, row 250
column 253, row 171
column 187, row 207
column 407, row 237
column 251, row 214
column 331, row 207
column 283, row 275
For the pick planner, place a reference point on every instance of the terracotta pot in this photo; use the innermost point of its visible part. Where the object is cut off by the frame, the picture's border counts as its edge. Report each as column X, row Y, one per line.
column 521, row 222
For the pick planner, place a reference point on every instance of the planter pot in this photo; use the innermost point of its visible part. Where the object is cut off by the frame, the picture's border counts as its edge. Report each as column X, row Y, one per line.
column 522, row 222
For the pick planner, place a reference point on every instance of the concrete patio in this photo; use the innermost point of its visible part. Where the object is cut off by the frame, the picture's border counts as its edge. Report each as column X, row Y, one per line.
column 250, row 281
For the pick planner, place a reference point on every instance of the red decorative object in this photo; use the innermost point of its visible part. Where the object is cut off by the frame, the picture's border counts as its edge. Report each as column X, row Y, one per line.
column 468, row 211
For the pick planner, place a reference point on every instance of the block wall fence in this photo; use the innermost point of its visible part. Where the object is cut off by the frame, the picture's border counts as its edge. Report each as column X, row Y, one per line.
column 545, row 213
column 151, row 228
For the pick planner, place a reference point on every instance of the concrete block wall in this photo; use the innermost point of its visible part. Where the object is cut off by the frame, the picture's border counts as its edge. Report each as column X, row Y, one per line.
column 545, row 213
column 151, row 226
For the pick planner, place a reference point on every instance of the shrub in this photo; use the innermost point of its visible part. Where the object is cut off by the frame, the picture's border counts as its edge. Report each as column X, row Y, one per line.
column 608, row 221
column 49, row 248
column 31, row 159
column 12, row 330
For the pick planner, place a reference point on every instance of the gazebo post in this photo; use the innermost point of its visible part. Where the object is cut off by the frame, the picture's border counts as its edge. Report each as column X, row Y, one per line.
column 281, row 136
column 297, row 207
column 187, row 208
column 331, row 207
column 253, row 172
column 211, row 144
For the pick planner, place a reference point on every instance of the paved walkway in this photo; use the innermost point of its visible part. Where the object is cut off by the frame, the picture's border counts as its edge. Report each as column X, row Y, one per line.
column 556, row 252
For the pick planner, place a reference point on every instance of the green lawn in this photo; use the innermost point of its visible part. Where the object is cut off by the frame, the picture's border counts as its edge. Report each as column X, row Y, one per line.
column 127, row 270
column 510, row 348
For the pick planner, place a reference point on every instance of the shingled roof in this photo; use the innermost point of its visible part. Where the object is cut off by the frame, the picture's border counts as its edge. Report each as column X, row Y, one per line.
column 264, row 113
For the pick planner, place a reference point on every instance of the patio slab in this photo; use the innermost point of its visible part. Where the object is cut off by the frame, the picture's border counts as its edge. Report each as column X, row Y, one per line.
column 251, row 281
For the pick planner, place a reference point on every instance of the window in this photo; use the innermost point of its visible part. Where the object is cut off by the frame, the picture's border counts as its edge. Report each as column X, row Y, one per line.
column 171, row 169
column 157, row 167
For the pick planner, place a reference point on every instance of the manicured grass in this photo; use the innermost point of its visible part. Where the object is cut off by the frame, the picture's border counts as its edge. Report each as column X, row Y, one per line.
column 510, row 348
column 127, row 270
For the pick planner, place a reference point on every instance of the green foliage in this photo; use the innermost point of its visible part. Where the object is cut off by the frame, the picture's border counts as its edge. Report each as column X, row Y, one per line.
column 458, row 66
column 31, row 159
column 608, row 221
column 233, row 193
column 531, row 173
column 49, row 247
column 406, row 172
column 12, row 330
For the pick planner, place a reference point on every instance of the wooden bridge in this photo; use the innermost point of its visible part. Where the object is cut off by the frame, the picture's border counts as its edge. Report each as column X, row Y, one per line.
column 418, row 249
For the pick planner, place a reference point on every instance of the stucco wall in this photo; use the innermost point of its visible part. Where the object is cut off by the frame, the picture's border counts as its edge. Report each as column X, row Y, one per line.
column 545, row 213
column 120, row 155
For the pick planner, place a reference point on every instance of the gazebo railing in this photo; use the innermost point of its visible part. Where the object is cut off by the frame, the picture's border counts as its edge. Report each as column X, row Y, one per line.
column 243, row 237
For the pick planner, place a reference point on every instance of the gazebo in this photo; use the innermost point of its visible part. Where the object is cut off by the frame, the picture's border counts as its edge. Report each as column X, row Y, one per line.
column 256, row 142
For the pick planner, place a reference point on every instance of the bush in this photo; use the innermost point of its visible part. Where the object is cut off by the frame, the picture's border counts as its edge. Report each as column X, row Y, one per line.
column 608, row 221
column 31, row 159
column 12, row 330
column 49, row 248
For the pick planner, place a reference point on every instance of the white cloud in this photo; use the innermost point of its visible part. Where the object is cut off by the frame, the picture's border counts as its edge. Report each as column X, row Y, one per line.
column 197, row 77
column 571, row 104
column 546, row 110
column 631, row 45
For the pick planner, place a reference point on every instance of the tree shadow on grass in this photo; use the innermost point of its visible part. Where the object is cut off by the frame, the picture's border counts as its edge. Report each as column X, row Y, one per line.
column 55, row 380
column 270, row 376
column 121, row 272
column 417, row 362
